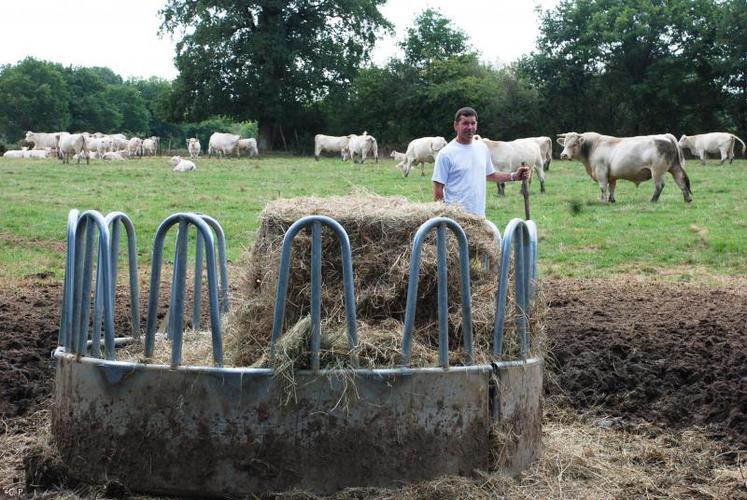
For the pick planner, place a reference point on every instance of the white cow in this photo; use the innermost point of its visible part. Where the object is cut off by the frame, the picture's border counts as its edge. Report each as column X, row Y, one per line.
column 15, row 154
column 331, row 144
column 182, row 165
column 120, row 142
column 635, row 159
column 713, row 143
column 194, row 147
column 39, row 153
column 545, row 145
column 222, row 144
column 248, row 146
column 399, row 158
column 508, row 156
column 73, row 144
column 422, row 151
column 150, row 145
column 360, row 145
column 42, row 140
column 113, row 156
column 135, row 146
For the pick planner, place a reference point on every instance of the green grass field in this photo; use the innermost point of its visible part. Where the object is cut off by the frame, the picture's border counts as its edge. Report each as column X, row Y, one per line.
column 578, row 235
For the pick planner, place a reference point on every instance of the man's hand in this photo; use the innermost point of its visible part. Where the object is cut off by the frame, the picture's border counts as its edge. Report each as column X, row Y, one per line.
column 521, row 173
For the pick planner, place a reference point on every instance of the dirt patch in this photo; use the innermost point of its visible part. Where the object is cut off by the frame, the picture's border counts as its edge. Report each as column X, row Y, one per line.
column 671, row 354
column 638, row 358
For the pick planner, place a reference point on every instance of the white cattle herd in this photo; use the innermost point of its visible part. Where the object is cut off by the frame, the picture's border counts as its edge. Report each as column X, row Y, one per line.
column 606, row 159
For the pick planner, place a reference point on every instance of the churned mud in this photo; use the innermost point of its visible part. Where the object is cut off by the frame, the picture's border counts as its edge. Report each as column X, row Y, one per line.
column 645, row 354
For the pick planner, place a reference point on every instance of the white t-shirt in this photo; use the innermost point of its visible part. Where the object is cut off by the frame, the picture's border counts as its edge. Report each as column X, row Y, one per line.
column 462, row 169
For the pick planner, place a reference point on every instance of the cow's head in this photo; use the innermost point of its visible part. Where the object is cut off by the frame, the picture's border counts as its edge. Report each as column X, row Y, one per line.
column 571, row 142
column 683, row 141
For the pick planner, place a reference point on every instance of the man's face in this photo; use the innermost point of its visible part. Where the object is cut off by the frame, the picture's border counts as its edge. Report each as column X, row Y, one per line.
column 465, row 128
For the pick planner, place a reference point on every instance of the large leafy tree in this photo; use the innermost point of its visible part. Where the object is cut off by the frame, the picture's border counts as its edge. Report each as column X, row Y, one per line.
column 33, row 96
column 266, row 59
column 417, row 95
column 432, row 38
column 629, row 66
column 89, row 107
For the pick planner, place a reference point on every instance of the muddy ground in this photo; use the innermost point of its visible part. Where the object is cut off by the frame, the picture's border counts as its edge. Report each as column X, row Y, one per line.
column 629, row 351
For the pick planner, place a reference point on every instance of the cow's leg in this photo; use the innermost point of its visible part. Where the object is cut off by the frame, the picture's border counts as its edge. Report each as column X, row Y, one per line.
column 603, row 184
column 541, row 175
column 683, row 181
column 501, row 188
column 659, row 183
column 701, row 154
column 724, row 155
column 612, row 185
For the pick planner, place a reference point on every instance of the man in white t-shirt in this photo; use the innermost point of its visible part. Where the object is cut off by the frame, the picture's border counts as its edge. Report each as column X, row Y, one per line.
column 463, row 167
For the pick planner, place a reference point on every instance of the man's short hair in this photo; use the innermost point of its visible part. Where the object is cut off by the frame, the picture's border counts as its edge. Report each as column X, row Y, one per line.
column 465, row 111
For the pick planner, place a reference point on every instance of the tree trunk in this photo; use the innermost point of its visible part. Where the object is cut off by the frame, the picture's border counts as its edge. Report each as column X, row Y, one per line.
column 264, row 133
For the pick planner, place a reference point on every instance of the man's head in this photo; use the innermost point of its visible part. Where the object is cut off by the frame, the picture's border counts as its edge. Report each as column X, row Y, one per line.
column 465, row 124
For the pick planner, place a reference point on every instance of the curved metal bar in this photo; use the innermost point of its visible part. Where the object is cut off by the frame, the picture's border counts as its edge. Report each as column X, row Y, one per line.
column 197, row 299
column 524, row 267
column 66, row 323
column 204, row 231
column 347, row 272
column 412, row 290
column 222, row 259
column 84, row 264
column 112, row 221
column 533, row 253
column 113, row 218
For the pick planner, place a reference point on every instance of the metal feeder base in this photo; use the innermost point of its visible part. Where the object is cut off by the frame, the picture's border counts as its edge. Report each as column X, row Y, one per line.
column 221, row 431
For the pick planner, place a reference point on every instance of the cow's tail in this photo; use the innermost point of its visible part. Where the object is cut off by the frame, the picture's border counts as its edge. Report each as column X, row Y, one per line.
column 677, row 166
column 744, row 148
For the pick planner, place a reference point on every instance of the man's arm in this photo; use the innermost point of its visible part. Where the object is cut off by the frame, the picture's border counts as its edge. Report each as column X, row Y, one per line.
column 438, row 191
column 520, row 174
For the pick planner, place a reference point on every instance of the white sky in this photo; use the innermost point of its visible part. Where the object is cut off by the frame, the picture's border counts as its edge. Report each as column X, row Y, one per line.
column 123, row 34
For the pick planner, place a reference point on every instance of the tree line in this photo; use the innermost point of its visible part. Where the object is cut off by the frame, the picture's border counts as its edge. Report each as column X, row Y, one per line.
column 288, row 70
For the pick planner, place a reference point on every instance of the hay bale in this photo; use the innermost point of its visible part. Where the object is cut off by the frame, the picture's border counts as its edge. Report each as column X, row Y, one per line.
column 381, row 230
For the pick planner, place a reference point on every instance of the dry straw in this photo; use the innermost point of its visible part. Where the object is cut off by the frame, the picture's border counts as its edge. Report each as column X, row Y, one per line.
column 381, row 231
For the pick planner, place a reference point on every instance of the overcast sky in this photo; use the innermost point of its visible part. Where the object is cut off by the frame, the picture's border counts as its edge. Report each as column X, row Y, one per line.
column 123, row 34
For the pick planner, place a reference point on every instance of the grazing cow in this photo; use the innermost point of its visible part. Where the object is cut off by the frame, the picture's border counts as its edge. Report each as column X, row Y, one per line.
column 507, row 156
column 713, row 143
column 248, row 146
column 332, row 144
column 150, row 146
column 222, row 144
column 135, row 146
column 421, row 151
column 73, row 144
column 194, row 148
column 182, row 165
column 361, row 145
column 634, row 159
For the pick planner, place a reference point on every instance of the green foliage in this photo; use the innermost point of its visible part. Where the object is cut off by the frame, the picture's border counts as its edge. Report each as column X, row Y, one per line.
column 630, row 67
column 433, row 39
column 90, row 106
column 131, row 105
column 266, row 60
column 418, row 96
column 33, row 96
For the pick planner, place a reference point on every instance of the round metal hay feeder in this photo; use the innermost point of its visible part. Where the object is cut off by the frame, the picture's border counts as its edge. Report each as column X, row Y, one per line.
column 215, row 431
